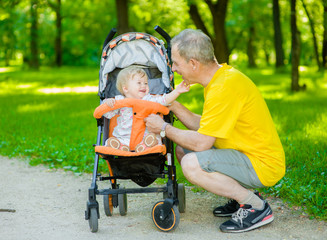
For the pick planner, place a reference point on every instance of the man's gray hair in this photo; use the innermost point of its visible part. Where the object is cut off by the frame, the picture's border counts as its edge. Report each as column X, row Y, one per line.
column 194, row 44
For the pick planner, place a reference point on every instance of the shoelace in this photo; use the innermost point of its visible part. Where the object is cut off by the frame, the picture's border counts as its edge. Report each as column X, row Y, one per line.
column 240, row 215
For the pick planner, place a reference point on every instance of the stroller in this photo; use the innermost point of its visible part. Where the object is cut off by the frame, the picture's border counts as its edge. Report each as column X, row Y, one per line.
column 145, row 167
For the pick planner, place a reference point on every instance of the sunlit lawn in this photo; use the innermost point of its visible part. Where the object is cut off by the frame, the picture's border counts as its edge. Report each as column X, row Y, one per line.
column 46, row 116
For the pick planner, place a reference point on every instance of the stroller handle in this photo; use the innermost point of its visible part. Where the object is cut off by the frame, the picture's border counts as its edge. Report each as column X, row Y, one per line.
column 163, row 33
column 109, row 37
column 166, row 36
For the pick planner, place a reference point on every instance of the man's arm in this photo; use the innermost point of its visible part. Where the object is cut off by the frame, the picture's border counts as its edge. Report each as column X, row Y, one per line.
column 189, row 139
column 188, row 118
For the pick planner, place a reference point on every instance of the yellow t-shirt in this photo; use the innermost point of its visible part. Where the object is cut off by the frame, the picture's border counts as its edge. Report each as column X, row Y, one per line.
column 236, row 114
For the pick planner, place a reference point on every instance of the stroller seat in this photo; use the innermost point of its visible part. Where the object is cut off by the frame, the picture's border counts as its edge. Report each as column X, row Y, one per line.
column 141, row 109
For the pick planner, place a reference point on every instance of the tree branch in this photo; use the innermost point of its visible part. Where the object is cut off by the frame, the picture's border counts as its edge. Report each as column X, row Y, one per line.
column 195, row 15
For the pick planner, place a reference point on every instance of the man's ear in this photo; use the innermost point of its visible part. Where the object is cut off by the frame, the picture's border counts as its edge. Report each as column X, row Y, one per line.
column 194, row 64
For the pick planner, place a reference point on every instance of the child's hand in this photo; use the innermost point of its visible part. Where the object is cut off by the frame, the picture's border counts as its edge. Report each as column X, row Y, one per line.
column 110, row 102
column 183, row 87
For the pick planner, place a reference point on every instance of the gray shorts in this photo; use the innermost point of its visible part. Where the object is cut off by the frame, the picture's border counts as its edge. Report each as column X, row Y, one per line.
column 229, row 162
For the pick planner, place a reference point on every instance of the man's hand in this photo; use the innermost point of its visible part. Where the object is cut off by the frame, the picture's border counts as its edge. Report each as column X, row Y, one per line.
column 154, row 123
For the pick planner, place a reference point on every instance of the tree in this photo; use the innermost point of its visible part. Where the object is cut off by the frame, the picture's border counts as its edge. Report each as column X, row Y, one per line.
column 8, row 38
column 278, row 38
column 314, row 39
column 250, row 48
column 56, row 7
column 218, row 10
column 122, row 16
column 324, row 44
column 296, row 49
column 34, row 62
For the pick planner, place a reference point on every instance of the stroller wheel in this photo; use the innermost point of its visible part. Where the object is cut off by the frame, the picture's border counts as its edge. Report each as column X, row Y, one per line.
column 122, row 203
column 93, row 220
column 108, row 205
column 170, row 222
column 181, row 198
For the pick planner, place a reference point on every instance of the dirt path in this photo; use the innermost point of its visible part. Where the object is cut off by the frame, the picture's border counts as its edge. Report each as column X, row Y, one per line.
column 50, row 204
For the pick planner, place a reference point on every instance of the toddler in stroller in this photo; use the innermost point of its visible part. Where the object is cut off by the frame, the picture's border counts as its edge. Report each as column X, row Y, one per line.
column 132, row 82
column 120, row 55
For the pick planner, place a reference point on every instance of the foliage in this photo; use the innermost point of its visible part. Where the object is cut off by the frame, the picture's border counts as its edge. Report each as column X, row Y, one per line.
column 85, row 24
column 171, row 15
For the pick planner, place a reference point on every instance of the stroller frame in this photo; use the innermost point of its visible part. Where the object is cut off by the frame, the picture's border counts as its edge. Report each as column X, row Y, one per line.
column 165, row 214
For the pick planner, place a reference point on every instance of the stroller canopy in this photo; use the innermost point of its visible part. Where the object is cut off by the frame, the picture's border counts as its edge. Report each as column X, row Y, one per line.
column 134, row 48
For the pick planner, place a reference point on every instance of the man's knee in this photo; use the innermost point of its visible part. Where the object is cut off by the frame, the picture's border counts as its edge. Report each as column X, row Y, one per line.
column 190, row 166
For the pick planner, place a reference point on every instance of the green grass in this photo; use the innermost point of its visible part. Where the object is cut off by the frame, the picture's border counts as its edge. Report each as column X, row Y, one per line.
column 57, row 129
column 46, row 116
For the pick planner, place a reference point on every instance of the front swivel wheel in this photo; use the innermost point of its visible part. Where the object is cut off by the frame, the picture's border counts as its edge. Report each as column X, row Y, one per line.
column 168, row 223
column 93, row 220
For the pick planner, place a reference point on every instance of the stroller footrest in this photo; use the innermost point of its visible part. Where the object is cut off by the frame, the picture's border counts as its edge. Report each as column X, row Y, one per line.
column 116, row 152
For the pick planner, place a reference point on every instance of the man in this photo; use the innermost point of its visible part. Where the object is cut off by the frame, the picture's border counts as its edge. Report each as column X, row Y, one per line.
column 234, row 145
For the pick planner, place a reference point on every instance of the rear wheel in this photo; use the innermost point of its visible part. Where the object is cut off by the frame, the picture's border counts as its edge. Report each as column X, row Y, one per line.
column 181, row 198
column 108, row 205
column 122, row 204
column 170, row 222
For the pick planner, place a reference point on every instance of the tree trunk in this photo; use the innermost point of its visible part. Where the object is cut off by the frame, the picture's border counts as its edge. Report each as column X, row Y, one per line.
column 122, row 16
column 251, row 48
column 56, row 7
column 278, row 38
column 267, row 57
column 34, row 61
column 295, row 48
column 324, row 44
column 314, row 39
column 194, row 13
column 218, row 11
column 58, row 40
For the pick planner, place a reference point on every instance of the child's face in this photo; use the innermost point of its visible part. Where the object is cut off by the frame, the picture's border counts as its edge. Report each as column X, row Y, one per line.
column 136, row 87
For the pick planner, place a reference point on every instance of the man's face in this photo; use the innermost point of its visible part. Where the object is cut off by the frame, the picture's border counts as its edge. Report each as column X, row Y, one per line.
column 180, row 66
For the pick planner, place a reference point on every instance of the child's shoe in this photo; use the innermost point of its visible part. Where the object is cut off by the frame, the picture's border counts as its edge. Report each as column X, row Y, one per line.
column 150, row 140
column 115, row 143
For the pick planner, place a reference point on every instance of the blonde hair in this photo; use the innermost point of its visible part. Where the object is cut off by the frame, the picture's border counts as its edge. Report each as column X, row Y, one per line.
column 127, row 74
column 194, row 44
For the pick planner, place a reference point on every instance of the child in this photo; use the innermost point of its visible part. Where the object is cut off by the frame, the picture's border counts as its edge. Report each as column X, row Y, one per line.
column 132, row 82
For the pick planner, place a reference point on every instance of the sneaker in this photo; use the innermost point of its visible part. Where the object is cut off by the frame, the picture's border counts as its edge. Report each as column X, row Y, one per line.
column 230, row 207
column 227, row 210
column 248, row 218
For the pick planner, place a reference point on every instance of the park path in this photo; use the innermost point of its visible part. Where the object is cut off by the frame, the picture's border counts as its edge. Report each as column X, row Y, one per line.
column 50, row 204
